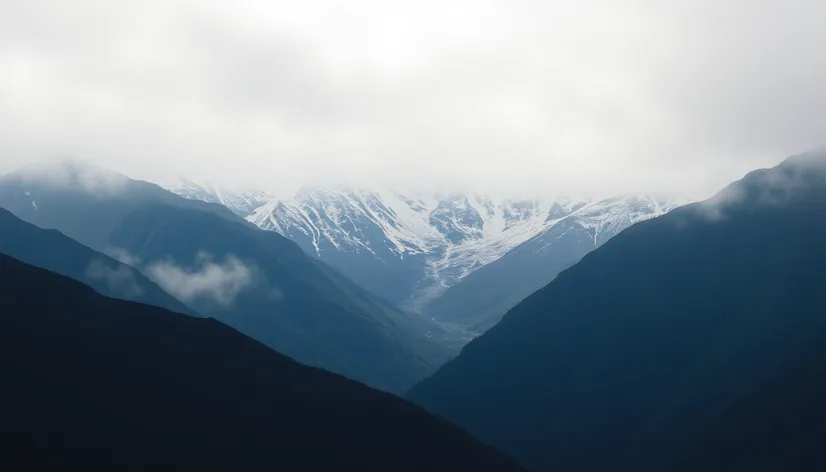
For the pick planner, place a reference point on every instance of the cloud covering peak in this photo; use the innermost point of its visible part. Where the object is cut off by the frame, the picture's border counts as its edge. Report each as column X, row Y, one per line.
column 638, row 95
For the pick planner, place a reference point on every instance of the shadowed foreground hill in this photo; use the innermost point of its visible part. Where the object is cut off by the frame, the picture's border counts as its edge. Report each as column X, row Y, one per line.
column 618, row 363
column 97, row 382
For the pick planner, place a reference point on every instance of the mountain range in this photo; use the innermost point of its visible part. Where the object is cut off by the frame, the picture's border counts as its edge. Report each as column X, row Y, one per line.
column 678, row 331
column 689, row 338
column 223, row 267
column 444, row 256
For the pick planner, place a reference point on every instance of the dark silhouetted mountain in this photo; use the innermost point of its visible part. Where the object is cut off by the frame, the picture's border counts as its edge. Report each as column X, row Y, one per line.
column 96, row 383
column 781, row 426
column 620, row 360
column 56, row 252
column 224, row 267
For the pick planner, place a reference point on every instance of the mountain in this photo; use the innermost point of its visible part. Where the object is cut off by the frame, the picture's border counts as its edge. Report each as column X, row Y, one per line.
column 619, row 362
column 413, row 249
column 52, row 250
column 90, row 381
column 573, row 229
column 82, row 201
column 264, row 285
column 357, row 233
column 410, row 248
column 779, row 426
column 242, row 202
column 224, row 267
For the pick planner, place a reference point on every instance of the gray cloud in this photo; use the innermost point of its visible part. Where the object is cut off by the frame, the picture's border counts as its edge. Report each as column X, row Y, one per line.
column 120, row 279
column 517, row 94
column 219, row 282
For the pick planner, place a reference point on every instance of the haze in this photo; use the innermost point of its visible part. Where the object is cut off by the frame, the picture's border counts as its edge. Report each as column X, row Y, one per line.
column 578, row 95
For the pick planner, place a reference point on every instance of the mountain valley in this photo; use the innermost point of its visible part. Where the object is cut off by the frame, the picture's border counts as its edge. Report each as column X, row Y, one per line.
column 671, row 333
column 649, row 340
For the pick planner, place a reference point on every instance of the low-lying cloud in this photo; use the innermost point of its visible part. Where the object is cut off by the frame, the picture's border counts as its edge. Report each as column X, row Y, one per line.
column 220, row 282
column 120, row 280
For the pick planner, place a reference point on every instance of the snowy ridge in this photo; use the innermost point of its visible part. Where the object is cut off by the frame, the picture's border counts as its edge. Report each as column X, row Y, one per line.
column 435, row 240
column 610, row 215
column 456, row 232
column 242, row 203
column 344, row 217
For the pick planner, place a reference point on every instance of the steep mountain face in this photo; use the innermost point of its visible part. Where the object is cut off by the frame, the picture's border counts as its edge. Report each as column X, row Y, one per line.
column 241, row 202
column 224, row 267
column 619, row 362
column 357, row 233
column 413, row 249
column 52, row 250
column 151, row 389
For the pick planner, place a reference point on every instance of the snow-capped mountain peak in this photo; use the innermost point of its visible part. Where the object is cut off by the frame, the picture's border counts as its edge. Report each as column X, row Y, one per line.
column 411, row 246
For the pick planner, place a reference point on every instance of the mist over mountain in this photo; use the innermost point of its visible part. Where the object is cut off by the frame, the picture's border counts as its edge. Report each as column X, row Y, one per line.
column 620, row 361
column 91, row 381
column 224, row 267
column 84, row 201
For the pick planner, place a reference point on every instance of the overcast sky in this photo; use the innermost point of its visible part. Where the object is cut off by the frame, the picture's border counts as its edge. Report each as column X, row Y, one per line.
column 588, row 94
